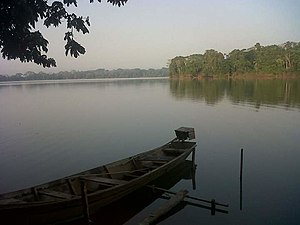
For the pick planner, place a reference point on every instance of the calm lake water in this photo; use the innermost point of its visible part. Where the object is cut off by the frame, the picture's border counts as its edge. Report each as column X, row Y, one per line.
column 52, row 129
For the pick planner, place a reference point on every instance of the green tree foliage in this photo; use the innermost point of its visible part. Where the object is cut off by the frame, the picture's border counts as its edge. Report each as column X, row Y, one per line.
column 241, row 61
column 20, row 40
column 272, row 59
column 213, row 61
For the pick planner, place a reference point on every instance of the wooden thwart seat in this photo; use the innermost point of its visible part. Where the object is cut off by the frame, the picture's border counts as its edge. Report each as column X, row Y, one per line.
column 173, row 151
column 131, row 175
column 104, row 180
column 151, row 166
column 56, row 194
column 11, row 201
column 160, row 158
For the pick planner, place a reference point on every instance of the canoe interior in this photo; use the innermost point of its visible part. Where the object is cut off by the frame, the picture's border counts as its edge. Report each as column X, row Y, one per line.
column 130, row 208
column 103, row 183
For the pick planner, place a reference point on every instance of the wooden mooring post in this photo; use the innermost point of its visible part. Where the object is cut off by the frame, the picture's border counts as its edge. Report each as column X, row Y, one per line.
column 193, row 157
column 213, row 207
column 241, row 179
column 194, row 167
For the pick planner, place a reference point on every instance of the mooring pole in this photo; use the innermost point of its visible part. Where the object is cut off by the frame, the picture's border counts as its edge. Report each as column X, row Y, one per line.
column 193, row 173
column 85, row 204
column 241, row 179
column 193, row 157
column 213, row 207
column 194, row 169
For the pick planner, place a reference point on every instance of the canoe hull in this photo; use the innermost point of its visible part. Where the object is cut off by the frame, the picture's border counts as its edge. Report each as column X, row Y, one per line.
column 64, row 210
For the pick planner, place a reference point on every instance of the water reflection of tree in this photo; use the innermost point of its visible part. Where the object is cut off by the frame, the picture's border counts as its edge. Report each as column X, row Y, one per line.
column 285, row 93
column 205, row 90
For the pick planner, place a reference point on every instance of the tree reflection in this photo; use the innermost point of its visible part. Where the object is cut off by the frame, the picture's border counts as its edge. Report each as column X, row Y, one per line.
column 271, row 93
column 205, row 90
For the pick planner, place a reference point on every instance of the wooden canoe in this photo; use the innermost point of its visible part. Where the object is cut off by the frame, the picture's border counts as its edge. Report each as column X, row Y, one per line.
column 130, row 208
column 61, row 200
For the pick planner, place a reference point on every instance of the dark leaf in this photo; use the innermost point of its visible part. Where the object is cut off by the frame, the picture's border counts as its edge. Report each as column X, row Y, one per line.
column 70, row 2
column 55, row 13
column 68, row 36
column 87, row 20
column 117, row 2
column 74, row 48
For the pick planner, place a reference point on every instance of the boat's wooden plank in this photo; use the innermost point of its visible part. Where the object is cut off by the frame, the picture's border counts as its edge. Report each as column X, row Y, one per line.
column 173, row 151
column 131, row 175
column 151, row 166
column 56, row 194
column 134, row 163
column 159, row 158
column 154, row 162
column 136, row 173
column 107, row 171
column 165, row 208
column 160, row 163
column 143, row 170
column 10, row 201
column 105, row 180
column 71, row 187
column 35, row 194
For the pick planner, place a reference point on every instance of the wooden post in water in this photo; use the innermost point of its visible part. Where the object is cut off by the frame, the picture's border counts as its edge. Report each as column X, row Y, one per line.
column 193, row 172
column 194, row 169
column 213, row 207
column 85, row 204
column 193, row 157
column 241, row 179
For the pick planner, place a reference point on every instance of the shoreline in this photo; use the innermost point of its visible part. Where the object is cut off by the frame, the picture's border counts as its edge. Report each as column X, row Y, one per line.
column 248, row 76
column 79, row 80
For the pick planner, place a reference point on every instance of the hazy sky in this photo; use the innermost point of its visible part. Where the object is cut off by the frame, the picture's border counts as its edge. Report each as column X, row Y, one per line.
column 146, row 33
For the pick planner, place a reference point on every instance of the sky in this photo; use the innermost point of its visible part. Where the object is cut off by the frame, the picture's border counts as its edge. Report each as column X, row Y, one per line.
column 147, row 34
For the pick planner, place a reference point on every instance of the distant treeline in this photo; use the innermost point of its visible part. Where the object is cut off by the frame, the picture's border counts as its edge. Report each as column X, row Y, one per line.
column 91, row 74
column 272, row 59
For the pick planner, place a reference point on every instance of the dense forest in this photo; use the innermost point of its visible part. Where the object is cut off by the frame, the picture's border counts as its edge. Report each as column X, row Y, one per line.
column 272, row 59
column 91, row 74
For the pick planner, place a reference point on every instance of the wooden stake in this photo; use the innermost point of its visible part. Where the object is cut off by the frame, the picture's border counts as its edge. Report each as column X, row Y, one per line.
column 194, row 169
column 213, row 207
column 194, row 177
column 193, row 157
column 241, row 165
column 241, row 179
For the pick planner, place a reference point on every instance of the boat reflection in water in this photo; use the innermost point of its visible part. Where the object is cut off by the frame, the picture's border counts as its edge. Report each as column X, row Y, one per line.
column 125, row 209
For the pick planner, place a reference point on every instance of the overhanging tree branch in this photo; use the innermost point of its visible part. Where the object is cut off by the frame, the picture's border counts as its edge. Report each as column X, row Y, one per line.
column 20, row 40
